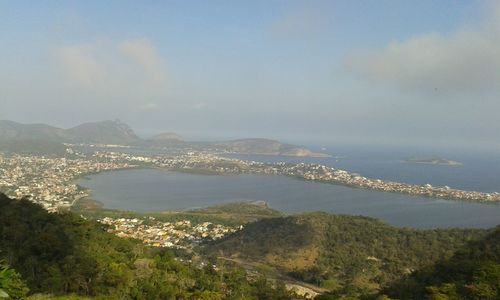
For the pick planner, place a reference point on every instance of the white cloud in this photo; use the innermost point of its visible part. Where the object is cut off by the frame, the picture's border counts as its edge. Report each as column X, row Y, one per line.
column 143, row 53
column 113, row 69
column 80, row 64
column 466, row 61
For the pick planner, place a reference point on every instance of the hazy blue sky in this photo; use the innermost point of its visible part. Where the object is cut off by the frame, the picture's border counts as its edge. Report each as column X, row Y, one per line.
column 385, row 71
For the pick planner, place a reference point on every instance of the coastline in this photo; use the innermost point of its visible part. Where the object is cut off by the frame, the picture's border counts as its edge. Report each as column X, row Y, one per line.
column 310, row 155
column 425, row 211
column 380, row 186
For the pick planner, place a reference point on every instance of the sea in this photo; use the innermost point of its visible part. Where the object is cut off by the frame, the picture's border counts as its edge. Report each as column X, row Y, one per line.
column 147, row 190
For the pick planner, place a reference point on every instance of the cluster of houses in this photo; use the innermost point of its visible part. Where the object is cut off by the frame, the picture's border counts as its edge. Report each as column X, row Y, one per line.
column 179, row 234
column 321, row 173
column 49, row 181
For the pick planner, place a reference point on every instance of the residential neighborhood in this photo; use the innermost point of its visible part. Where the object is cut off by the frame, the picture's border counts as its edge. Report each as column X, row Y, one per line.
column 181, row 234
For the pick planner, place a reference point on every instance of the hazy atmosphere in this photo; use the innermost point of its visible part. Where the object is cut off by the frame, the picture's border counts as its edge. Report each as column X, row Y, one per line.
column 381, row 71
column 250, row 150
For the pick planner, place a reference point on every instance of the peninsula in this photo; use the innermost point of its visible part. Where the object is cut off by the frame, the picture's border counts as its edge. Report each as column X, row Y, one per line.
column 50, row 181
column 261, row 146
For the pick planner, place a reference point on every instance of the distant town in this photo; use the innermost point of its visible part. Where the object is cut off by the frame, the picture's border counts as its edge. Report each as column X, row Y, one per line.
column 50, row 181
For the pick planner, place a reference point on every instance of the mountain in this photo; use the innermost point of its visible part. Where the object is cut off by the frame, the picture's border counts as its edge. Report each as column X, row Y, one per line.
column 344, row 254
column 105, row 132
column 10, row 130
column 267, row 147
column 165, row 139
column 14, row 135
column 32, row 138
column 166, row 136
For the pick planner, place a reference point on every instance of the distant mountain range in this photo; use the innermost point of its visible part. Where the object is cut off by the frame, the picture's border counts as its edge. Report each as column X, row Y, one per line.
column 119, row 133
column 106, row 132
column 12, row 130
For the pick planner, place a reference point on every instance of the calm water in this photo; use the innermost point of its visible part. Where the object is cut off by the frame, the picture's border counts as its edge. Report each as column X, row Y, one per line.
column 479, row 172
column 154, row 190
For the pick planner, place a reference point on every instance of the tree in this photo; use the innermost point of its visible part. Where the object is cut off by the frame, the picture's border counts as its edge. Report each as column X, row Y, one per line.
column 11, row 283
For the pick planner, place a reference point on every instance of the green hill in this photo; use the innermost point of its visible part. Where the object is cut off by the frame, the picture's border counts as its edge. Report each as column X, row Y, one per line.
column 64, row 254
column 473, row 272
column 350, row 255
column 232, row 214
column 247, row 211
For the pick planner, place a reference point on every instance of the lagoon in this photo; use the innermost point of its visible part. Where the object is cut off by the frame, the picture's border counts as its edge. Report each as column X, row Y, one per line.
column 159, row 190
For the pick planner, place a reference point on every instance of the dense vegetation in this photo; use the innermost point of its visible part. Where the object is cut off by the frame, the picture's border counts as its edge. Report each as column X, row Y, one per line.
column 473, row 272
column 63, row 254
column 230, row 214
column 11, row 283
column 256, row 208
column 344, row 254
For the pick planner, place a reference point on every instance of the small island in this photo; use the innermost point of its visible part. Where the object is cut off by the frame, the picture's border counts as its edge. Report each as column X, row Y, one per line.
column 432, row 160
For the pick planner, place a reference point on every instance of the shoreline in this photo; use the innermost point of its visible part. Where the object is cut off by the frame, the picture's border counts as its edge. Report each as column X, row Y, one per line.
column 311, row 155
column 88, row 206
column 89, row 203
column 208, row 172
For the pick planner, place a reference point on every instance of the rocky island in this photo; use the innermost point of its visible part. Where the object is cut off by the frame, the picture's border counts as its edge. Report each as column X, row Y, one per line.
column 432, row 160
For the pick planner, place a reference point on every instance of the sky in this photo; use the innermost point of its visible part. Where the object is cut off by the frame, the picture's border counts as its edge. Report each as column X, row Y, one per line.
column 379, row 71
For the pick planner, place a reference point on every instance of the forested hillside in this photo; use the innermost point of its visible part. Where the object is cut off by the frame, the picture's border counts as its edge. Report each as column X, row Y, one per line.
column 473, row 272
column 345, row 254
column 54, row 255
column 63, row 254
